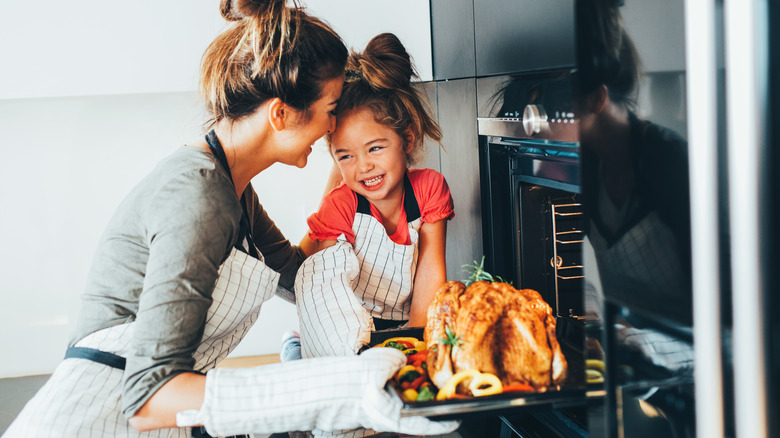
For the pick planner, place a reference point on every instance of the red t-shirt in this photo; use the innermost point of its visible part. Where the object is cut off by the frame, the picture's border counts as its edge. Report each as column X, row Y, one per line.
column 338, row 208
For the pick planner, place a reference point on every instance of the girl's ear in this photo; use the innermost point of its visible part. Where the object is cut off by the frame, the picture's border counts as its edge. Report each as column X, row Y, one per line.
column 278, row 114
column 409, row 138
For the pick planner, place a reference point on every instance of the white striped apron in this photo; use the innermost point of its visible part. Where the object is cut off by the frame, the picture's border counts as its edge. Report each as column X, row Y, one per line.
column 82, row 397
column 386, row 268
column 341, row 290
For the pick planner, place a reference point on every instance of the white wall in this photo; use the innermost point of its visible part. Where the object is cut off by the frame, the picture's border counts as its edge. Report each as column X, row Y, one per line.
column 92, row 95
column 94, row 47
column 68, row 163
column 91, row 47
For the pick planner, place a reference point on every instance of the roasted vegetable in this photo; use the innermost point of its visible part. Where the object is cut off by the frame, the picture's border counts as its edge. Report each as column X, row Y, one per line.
column 426, row 393
column 485, row 384
column 517, row 387
column 406, row 341
column 479, row 384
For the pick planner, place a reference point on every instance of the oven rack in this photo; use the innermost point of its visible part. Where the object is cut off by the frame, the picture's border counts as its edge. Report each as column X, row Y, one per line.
column 569, row 238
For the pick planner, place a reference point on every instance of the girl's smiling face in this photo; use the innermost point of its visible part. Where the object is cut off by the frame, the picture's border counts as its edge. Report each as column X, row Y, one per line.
column 371, row 156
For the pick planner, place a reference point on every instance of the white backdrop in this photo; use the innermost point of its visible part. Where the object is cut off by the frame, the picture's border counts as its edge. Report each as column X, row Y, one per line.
column 92, row 95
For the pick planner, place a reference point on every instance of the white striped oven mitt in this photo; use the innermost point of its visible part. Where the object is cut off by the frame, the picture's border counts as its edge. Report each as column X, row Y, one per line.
column 333, row 393
column 333, row 321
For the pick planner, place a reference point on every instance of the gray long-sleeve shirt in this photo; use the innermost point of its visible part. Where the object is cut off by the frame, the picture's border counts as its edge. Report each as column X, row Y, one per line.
column 157, row 263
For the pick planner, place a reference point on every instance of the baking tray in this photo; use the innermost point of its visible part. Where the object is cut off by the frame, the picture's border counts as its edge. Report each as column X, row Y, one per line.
column 573, row 392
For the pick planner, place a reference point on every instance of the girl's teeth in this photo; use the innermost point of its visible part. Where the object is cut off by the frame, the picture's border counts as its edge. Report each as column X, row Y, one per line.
column 373, row 181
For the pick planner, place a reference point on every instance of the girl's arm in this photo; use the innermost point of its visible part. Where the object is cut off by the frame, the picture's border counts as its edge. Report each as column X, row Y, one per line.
column 431, row 270
column 310, row 246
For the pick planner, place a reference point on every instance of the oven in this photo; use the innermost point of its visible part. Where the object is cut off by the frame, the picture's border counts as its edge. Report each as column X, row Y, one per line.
column 622, row 257
column 617, row 279
column 532, row 223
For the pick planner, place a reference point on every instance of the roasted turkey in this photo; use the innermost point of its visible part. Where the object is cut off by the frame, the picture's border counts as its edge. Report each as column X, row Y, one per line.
column 493, row 328
column 480, row 309
column 442, row 313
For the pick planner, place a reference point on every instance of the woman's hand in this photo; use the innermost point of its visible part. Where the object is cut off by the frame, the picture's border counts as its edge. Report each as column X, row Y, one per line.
column 181, row 393
column 330, row 394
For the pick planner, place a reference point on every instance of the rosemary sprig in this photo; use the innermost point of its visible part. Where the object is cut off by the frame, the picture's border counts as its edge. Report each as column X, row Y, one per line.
column 451, row 339
column 477, row 272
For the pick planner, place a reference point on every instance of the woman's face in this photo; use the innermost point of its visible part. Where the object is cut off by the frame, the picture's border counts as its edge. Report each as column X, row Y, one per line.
column 322, row 121
column 371, row 156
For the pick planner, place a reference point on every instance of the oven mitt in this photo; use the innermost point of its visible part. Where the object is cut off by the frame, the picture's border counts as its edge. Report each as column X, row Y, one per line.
column 659, row 349
column 329, row 393
column 332, row 320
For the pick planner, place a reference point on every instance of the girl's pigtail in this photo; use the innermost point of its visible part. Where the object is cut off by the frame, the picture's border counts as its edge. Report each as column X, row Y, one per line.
column 387, row 68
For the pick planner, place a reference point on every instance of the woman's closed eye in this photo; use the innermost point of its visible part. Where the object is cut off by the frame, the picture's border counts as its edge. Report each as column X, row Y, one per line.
column 344, row 157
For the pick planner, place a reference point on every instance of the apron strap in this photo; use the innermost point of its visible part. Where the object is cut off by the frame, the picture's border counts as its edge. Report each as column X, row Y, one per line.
column 102, row 357
column 410, row 202
column 411, row 207
column 245, row 230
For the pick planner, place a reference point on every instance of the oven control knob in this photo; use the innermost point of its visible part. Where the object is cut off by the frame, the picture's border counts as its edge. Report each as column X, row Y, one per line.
column 533, row 119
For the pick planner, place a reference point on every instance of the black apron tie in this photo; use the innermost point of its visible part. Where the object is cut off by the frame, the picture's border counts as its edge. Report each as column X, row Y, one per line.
column 102, row 357
column 245, row 231
column 411, row 207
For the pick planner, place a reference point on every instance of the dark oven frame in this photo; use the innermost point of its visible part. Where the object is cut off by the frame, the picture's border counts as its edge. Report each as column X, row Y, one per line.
column 530, row 209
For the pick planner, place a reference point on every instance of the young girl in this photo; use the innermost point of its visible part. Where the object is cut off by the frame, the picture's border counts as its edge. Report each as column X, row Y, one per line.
column 379, row 236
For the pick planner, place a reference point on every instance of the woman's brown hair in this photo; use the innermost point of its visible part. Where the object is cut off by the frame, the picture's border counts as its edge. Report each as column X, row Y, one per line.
column 606, row 55
column 271, row 50
column 379, row 79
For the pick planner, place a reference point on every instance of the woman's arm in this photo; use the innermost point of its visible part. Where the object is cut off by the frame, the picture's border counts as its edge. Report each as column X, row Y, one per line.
column 431, row 269
column 188, row 240
column 181, row 393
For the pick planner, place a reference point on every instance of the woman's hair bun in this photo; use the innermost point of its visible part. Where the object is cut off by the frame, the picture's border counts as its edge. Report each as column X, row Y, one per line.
column 385, row 63
column 234, row 10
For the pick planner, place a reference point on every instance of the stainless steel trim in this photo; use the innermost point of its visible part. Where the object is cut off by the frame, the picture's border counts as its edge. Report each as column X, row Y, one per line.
column 746, row 42
column 703, row 174
column 564, row 130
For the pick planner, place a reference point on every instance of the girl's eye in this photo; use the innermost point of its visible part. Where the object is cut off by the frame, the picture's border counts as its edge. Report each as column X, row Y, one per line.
column 375, row 148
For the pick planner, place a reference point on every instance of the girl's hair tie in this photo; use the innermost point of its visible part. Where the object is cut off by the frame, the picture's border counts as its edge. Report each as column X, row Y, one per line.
column 351, row 75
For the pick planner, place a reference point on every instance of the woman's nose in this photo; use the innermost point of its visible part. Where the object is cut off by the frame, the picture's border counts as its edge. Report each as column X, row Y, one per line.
column 331, row 125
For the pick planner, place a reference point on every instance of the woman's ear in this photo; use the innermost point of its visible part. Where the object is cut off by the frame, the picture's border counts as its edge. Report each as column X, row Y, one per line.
column 597, row 100
column 278, row 114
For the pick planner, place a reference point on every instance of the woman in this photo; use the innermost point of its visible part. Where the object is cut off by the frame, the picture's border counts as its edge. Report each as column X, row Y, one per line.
column 190, row 255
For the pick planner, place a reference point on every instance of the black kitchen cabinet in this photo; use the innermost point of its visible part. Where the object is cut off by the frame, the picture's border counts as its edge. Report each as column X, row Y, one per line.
column 457, row 112
column 514, row 36
column 452, row 30
column 479, row 38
